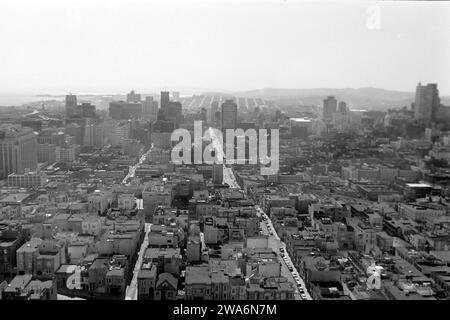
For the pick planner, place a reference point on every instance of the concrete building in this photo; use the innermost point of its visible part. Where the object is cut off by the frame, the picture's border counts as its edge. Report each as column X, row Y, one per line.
column 67, row 154
column 46, row 153
column 133, row 97
column 212, row 111
column 156, row 195
column 165, row 99
column 27, row 179
column 427, row 102
column 71, row 105
column 218, row 173
column 329, row 108
column 18, row 150
column 122, row 110
column 229, row 115
column 342, row 107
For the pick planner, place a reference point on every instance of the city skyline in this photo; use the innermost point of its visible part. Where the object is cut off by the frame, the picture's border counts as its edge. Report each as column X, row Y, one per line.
column 56, row 47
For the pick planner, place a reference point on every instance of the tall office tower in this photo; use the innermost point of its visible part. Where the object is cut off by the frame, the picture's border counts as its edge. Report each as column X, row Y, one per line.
column 47, row 153
column 88, row 137
column 116, row 132
column 165, row 99
column 76, row 131
column 120, row 110
column 52, row 136
column 174, row 113
column 427, row 102
column 342, row 107
column 18, row 150
column 71, row 105
column 229, row 115
column 218, row 119
column 93, row 133
column 175, row 96
column 329, row 107
column 214, row 109
column 217, row 174
column 150, row 106
column 133, row 97
column 203, row 114
column 87, row 110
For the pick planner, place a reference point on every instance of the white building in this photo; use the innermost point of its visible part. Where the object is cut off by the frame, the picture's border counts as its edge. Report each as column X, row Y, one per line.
column 27, row 180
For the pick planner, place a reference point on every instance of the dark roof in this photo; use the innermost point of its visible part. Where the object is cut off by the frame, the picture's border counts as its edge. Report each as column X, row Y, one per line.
column 168, row 278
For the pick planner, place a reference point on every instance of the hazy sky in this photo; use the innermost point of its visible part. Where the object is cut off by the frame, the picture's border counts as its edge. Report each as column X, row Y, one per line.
column 113, row 46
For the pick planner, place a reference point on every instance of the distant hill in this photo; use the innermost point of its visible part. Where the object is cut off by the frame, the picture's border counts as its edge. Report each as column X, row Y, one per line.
column 365, row 98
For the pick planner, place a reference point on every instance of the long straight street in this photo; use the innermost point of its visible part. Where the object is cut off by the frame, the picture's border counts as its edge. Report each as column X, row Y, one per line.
column 275, row 243
column 131, row 291
column 132, row 169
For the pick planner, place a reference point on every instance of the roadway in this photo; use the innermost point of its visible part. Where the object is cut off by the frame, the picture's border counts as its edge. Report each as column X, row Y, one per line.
column 131, row 291
column 275, row 243
column 228, row 175
column 274, row 240
column 132, row 169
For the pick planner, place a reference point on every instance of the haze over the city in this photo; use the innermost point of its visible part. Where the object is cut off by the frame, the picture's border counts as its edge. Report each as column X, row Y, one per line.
column 111, row 46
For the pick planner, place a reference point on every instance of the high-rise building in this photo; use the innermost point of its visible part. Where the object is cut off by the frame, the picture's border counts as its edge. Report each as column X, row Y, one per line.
column 47, row 153
column 217, row 119
column 52, row 136
column 87, row 110
column 93, row 134
column 427, row 102
column 133, row 97
column 116, row 132
column 342, row 107
column 174, row 113
column 203, row 114
column 165, row 99
column 229, row 114
column 175, row 96
column 329, row 107
column 217, row 173
column 77, row 131
column 18, row 150
column 121, row 110
column 27, row 179
column 162, row 140
column 214, row 109
column 150, row 107
column 67, row 154
column 71, row 105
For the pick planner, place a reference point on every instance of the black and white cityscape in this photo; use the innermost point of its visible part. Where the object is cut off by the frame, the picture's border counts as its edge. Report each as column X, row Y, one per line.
column 224, row 151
